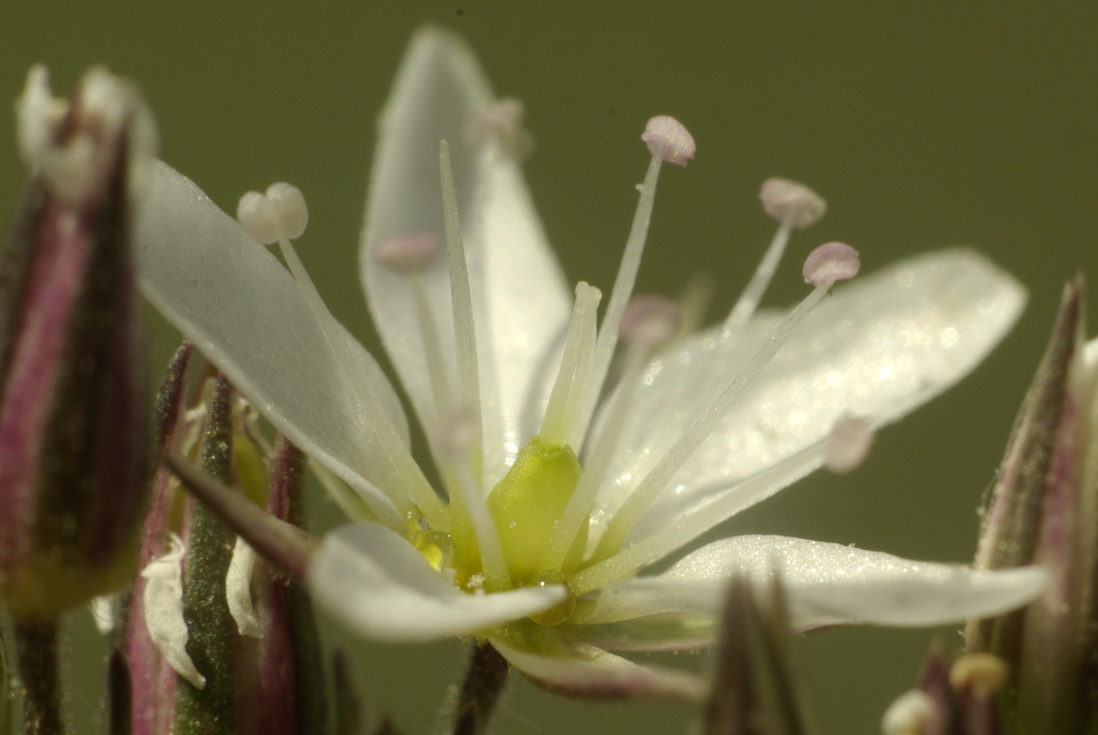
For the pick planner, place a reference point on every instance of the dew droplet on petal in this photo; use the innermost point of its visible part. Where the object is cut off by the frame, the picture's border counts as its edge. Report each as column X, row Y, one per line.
column 831, row 262
column 407, row 254
column 669, row 139
column 792, row 202
column 848, row 444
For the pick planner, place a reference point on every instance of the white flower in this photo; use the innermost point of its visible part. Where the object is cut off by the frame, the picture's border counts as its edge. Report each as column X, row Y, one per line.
column 555, row 502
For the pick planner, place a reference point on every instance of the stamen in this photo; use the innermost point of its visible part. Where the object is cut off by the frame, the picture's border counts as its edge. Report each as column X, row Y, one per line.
column 253, row 213
column 831, row 262
column 573, row 383
column 848, row 444
column 280, row 214
column 667, row 140
column 288, row 209
column 619, row 563
column 792, row 205
column 455, row 439
column 461, row 299
column 261, row 214
column 792, row 202
column 408, row 255
column 648, row 322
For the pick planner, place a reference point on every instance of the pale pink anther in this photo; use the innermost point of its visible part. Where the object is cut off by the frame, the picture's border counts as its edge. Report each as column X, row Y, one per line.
column 407, row 254
column 848, row 444
column 831, row 262
column 650, row 321
column 669, row 139
column 792, row 202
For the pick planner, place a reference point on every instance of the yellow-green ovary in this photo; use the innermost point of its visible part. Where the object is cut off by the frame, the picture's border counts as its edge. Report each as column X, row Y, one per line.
column 526, row 505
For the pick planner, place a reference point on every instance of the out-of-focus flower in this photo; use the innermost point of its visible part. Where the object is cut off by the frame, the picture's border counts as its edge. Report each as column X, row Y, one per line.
column 556, row 498
column 950, row 700
column 1044, row 510
column 72, row 427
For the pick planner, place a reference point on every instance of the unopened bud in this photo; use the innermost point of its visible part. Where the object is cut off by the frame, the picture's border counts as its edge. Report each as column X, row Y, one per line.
column 72, row 427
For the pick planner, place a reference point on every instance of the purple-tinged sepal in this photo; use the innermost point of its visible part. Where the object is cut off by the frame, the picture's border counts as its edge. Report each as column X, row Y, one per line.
column 758, row 681
column 73, row 436
column 1044, row 511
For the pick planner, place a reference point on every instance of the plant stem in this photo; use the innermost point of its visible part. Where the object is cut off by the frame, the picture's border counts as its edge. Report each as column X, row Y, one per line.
column 484, row 682
column 39, row 678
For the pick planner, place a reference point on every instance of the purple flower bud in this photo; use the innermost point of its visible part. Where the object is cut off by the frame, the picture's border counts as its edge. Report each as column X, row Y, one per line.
column 72, row 415
column 1044, row 510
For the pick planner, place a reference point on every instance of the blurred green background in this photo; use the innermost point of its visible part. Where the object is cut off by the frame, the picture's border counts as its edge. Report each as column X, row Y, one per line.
column 923, row 124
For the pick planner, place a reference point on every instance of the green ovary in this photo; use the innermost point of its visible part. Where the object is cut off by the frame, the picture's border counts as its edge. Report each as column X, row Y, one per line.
column 526, row 505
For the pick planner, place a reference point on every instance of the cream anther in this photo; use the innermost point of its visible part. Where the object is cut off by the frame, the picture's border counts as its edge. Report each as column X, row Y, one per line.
column 831, row 262
column 650, row 321
column 408, row 254
column 668, row 139
column 254, row 214
column 792, row 202
column 289, row 209
column 848, row 444
column 280, row 214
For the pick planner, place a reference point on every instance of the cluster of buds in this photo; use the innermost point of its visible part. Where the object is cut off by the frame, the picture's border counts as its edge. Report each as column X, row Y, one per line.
column 215, row 640
column 205, row 637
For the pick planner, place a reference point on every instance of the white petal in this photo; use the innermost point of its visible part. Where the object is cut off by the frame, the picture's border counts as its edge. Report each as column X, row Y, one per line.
column 103, row 613
column 592, row 672
column 381, row 587
column 826, row 584
column 521, row 303
column 240, row 307
column 164, row 611
column 876, row 349
column 238, row 590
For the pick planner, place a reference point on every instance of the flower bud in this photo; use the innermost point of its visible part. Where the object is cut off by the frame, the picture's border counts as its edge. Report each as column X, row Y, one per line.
column 72, row 431
column 214, row 636
column 1044, row 510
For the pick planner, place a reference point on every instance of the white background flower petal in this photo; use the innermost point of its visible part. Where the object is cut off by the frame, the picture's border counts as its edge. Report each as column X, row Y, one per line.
column 520, row 300
column 601, row 675
column 240, row 307
column 379, row 585
column 876, row 348
column 826, row 584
